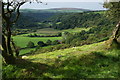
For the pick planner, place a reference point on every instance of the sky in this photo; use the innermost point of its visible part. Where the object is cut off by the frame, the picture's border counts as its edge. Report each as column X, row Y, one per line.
column 72, row 0
column 88, row 4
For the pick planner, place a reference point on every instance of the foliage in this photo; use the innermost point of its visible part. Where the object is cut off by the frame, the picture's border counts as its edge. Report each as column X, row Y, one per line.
column 113, row 9
column 70, row 21
column 30, row 44
column 55, row 42
column 51, row 48
column 41, row 44
column 29, row 19
column 48, row 42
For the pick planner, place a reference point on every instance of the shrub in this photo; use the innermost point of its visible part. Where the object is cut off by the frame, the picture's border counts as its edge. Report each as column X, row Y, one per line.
column 55, row 42
column 48, row 42
column 41, row 44
column 30, row 44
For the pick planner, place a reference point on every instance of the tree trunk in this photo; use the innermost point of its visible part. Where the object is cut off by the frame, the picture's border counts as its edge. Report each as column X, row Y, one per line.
column 15, row 48
column 115, row 37
column 9, row 38
column 9, row 59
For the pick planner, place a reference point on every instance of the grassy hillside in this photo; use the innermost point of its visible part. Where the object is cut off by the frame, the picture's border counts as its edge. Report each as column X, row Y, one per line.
column 88, row 61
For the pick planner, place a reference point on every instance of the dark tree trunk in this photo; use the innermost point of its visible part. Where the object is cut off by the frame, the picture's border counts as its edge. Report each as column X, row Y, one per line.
column 9, row 38
column 9, row 59
column 15, row 48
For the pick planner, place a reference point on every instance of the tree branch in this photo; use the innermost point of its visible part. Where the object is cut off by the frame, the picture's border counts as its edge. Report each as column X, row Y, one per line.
column 18, row 12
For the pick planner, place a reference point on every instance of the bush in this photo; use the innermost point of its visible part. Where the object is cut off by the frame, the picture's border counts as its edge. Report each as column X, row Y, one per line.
column 55, row 42
column 30, row 44
column 48, row 42
column 41, row 44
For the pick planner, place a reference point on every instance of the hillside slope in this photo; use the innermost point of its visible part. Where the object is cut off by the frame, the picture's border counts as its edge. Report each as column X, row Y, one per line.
column 88, row 61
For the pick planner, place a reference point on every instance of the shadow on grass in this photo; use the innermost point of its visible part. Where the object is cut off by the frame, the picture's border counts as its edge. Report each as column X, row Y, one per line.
column 25, row 70
column 94, row 65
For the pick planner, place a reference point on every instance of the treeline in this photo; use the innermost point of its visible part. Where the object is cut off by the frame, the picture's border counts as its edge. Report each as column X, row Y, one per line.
column 42, row 44
column 31, row 19
column 51, row 35
column 86, row 20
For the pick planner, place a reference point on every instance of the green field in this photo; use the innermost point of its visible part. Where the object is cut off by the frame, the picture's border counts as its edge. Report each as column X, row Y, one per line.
column 54, row 31
column 88, row 61
column 23, row 41
column 76, row 30
column 50, row 31
column 47, row 31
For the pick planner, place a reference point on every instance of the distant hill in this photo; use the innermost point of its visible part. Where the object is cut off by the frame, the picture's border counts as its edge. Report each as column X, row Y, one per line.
column 31, row 17
column 55, row 10
column 70, row 9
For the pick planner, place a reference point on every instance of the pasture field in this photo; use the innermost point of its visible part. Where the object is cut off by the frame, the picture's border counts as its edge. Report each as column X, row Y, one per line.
column 47, row 31
column 23, row 41
column 51, row 31
column 54, row 31
column 76, row 30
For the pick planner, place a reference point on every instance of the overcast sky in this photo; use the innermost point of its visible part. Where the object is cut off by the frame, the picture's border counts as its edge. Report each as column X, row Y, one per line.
column 72, row 0
column 85, row 4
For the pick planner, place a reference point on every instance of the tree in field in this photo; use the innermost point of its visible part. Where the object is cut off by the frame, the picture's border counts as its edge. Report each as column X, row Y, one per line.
column 55, row 42
column 41, row 44
column 10, row 14
column 30, row 44
column 114, row 13
column 48, row 42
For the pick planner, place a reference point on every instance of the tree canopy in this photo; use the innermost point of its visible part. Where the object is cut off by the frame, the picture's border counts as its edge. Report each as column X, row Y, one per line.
column 113, row 9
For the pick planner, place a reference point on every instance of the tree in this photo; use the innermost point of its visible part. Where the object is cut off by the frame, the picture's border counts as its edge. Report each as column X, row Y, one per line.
column 48, row 42
column 41, row 44
column 114, row 13
column 55, row 42
column 30, row 44
column 10, row 14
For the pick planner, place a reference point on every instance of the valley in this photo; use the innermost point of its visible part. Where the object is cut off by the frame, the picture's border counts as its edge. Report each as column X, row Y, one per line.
column 63, row 43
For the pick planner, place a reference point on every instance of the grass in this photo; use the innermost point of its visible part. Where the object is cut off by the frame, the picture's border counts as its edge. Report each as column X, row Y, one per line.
column 88, row 61
column 23, row 41
column 54, row 31
column 76, row 30
column 25, row 51
column 47, row 31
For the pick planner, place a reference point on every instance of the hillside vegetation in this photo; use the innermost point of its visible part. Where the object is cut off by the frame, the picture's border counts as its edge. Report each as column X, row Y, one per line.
column 88, row 61
column 63, row 45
